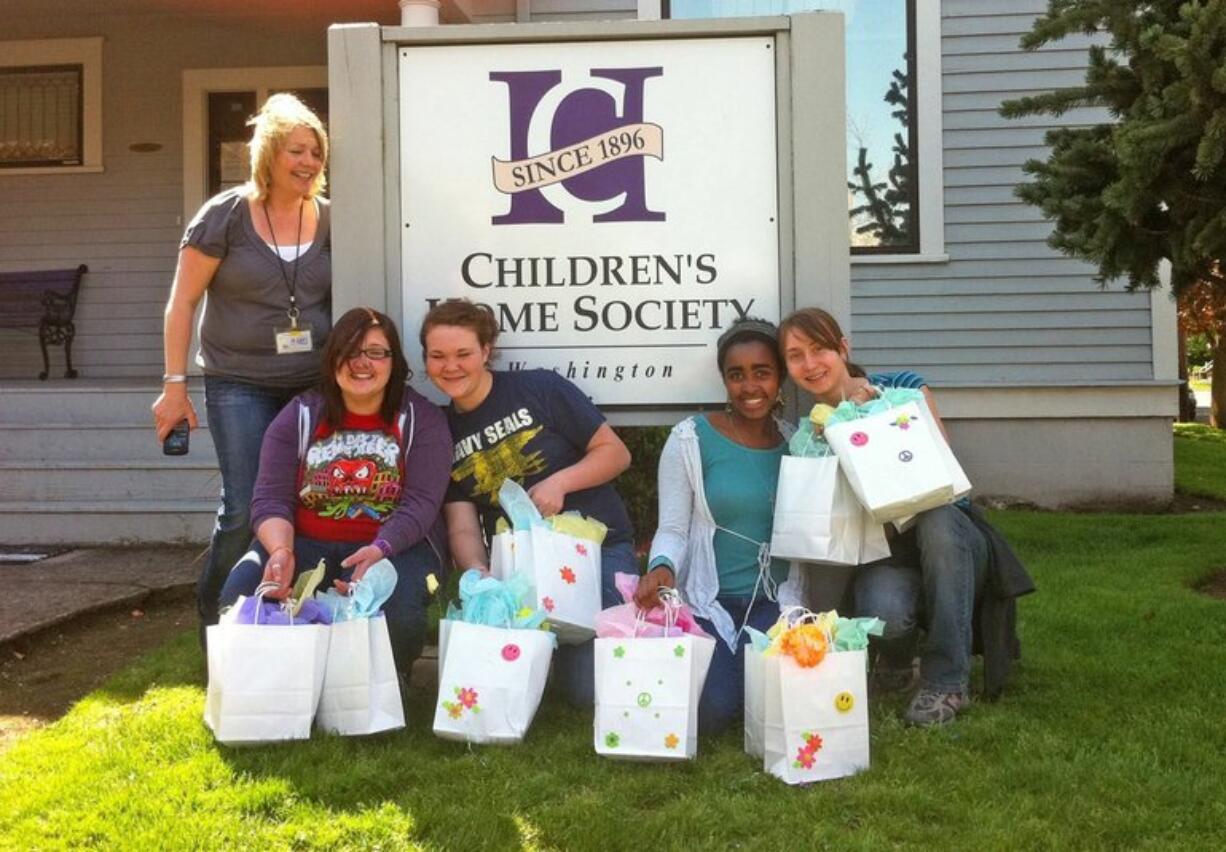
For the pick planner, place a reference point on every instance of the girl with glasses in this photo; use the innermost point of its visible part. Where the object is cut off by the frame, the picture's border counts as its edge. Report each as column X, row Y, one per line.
column 352, row 473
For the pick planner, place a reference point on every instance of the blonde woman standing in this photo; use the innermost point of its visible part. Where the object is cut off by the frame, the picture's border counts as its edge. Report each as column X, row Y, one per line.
column 261, row 252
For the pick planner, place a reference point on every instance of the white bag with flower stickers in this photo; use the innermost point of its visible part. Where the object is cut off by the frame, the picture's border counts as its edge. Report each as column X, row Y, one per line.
column 806, row 696
column 647, row 692
column 564, row 569
column 822, row 714
column 490, row 681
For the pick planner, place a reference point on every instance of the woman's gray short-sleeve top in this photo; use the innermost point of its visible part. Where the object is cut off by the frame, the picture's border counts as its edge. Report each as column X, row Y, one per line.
column 249, row 296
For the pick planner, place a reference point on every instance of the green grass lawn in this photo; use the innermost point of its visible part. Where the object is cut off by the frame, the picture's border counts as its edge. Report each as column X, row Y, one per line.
column 1112, row 734
column 1200, row 460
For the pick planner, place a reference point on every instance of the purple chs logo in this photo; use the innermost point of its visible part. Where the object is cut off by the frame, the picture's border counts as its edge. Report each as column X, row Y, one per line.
column 583, row 144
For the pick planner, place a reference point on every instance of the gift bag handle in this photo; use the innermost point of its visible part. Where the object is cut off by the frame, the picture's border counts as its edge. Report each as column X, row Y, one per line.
column 670, row 601
column 261, row 590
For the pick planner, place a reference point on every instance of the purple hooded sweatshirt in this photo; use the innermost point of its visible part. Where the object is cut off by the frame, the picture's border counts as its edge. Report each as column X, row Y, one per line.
column 426, row 444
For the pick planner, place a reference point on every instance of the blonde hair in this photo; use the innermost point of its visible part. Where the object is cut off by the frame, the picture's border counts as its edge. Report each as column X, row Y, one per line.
column 280, row 116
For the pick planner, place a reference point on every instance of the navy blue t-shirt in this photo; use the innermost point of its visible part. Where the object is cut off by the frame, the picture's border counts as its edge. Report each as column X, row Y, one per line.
column 532, row 424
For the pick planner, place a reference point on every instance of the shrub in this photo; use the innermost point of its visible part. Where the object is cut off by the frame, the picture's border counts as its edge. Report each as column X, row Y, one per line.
column 637, row 485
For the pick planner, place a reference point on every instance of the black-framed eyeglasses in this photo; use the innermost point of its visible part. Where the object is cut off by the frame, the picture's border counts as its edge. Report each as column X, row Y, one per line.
column 373, row 353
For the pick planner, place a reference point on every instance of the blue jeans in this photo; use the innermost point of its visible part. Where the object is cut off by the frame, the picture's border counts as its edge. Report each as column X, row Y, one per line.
column 238, row 415
column 931, row 580
column 405, row 610
column 574, row 666
column 723, row 695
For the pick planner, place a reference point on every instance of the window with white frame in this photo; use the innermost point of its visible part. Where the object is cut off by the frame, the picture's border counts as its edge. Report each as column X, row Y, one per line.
column 893, row 159
column 51, row 105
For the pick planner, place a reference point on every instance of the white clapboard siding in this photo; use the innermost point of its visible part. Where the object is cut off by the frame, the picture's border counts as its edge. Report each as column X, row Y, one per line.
column 1005, row 308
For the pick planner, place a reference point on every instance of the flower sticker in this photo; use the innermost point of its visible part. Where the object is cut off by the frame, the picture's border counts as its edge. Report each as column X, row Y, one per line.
column 612, row 740
column 568, row 574
column 858, row 439
column 466, row 699
column 547, row 602
column 671, row 741
column 679, row 651
column 903, row 422
column 619, row 651
column 580, row 548
column 806, row 755
column 510, row 652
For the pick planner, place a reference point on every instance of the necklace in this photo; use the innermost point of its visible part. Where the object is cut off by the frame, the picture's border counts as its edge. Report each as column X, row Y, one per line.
column 736, row 433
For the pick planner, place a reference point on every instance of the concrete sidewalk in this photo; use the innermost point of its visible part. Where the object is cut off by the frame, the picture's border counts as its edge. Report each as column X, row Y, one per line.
column 42, row 594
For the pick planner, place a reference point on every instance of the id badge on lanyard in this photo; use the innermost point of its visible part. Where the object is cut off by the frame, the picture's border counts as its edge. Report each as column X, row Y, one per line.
column 293, row 338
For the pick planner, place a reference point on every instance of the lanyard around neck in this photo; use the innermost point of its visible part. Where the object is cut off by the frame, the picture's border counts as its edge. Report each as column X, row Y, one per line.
column 291, row 284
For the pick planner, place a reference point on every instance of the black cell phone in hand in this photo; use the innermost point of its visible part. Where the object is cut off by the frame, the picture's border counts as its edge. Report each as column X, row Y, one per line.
column 176, row 442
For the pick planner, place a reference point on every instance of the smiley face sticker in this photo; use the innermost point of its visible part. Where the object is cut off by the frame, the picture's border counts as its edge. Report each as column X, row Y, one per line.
column 844, row 701
column 858, row 439
column 510, row 652
column 644, row 699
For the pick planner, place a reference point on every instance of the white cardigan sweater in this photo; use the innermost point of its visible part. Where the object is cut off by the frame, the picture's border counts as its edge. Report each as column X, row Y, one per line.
column 686, row 532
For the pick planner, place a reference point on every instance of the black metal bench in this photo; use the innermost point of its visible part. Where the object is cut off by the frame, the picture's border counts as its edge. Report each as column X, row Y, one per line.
column 46, row 300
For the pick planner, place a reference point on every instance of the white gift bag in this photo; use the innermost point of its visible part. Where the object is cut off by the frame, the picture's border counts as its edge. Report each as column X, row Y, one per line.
column 817, row 516
column 755, row 702
column 895, row 461
column 565, row 574
column 361, row 689
column 490, row 681
column 647, row 692
column 503, row 549
column 819, row 519
column 264, row 680
column 564, row 570
column 962, row 484
column 815, row 721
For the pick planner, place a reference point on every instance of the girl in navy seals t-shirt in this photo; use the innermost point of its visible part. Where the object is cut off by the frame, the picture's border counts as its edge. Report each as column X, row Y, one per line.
column 540, row 430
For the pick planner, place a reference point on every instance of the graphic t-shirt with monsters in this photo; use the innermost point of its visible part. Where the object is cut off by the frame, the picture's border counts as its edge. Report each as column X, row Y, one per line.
column 350, row 479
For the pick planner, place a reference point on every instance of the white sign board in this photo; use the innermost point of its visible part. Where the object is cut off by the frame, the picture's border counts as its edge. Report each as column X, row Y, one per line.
column 613, row 202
